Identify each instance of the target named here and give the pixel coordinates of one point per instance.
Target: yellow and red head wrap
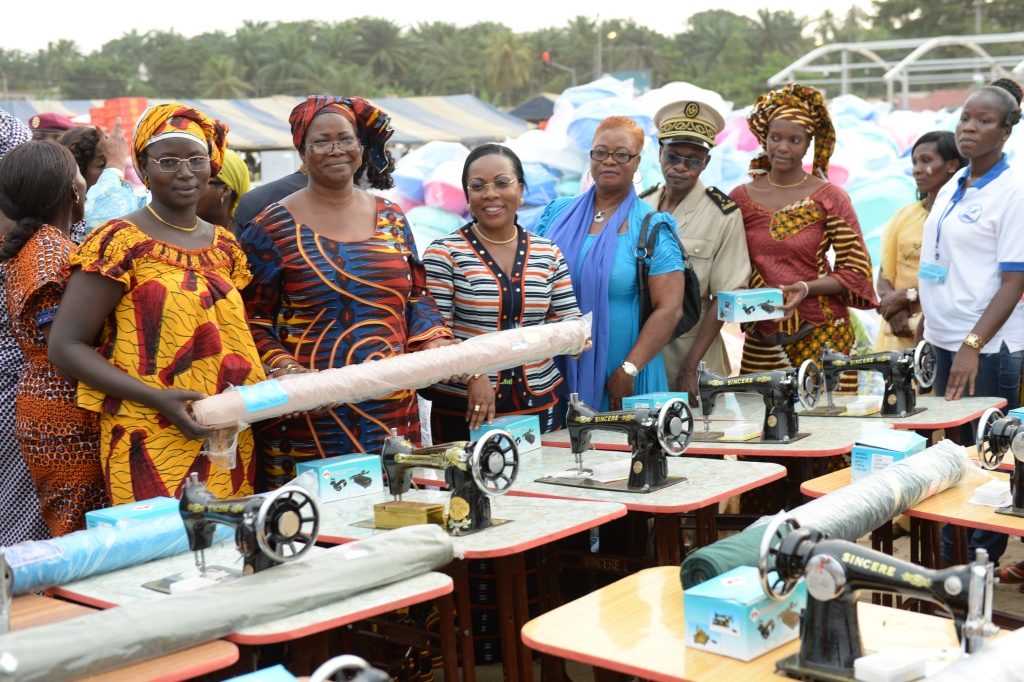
(373, 125)
(164, 121)
(800, 104)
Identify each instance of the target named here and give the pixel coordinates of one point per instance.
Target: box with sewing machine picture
(345, 476)
(750, 305)
(730, 615)
(652, 401)
(524, 429)
(878, 449)
(130, 512)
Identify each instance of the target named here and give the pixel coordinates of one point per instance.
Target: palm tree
(779, 32)
(508, 65)
(381, 48)
(291, 63)
(220, 77)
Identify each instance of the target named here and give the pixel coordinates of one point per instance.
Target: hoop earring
(78, 197)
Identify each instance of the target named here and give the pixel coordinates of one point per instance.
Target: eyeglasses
(688, 161)
(349, 144)
(499, 185)
(621, 156)
(171, 164)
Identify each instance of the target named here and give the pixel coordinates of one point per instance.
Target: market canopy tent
(262, 123)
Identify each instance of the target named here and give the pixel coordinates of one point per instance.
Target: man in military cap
(49, 126)
(711, 229)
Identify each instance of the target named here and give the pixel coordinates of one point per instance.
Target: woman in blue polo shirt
(972, 266)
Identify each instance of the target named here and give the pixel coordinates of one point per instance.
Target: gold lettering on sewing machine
(199, 508)
(615, 417)
(915, 579)
(868, 564)
(740, 381)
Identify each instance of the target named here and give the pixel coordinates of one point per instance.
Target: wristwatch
(912, 295)
(630, 369)
(974, 341)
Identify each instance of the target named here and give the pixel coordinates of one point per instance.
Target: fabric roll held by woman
(598, 232)
(162, 290)
(337, 281)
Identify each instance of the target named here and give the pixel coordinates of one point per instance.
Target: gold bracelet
(285, 369)
(974, 341)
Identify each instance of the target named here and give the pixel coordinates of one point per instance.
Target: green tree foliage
(375, 57)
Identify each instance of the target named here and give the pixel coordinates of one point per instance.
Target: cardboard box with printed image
(345, 476)
(750, 305)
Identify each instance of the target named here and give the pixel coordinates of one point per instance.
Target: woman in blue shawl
(598, 232)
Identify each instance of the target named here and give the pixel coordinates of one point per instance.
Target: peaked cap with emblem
(688, 122)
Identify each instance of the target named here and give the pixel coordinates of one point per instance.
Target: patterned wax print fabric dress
(59, 441)
(332, 304)
(180, 324)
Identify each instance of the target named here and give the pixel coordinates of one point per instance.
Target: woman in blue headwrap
(598, 233)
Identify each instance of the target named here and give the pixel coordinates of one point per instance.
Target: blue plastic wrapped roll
(40, 564)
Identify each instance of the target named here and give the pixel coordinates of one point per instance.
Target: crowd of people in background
(120, 309)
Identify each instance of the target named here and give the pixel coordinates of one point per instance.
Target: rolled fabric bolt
(355, 383)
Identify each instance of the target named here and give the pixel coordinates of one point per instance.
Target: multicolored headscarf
(373, 125)
(235, 174)
(802, 105)
(164, 121)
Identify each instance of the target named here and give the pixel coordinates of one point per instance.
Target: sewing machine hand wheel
(775, 587)
(495, 462)
(808, 384)
(287, 524)
(925, 361)
(675, 426)
(990, 454)
(348, 667)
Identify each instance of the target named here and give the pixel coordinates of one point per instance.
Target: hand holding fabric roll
(355, 383)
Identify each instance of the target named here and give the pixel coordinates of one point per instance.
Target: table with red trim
(32, 610)
(531, 524)
(125, 586)
(636, 628)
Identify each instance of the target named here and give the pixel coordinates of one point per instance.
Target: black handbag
(691, 293)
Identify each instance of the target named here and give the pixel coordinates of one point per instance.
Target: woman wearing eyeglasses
(337, 281)
(493, 275)
(152, 318)
(598, 233)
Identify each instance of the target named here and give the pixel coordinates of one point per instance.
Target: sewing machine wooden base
(400, 513)
(1011, 511)
(718, 437)
(790, 665)
(840, 411)
(621, 485)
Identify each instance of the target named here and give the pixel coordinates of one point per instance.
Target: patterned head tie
(802, 105)
(174, 120)
(373, 125)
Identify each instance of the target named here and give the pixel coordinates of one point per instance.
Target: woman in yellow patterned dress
(158, 290)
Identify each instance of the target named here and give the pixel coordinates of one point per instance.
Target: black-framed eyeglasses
(688, 161)
(171, 164)
(349, 144)
(501, 184)
(620, 156)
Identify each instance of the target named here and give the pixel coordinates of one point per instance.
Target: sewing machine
(903, 371)
(779, 389)
(270, 529)
(472, 470)
(651, 433)
(998, 435)
(6, 594)
(836, 570)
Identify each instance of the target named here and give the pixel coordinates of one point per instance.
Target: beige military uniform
(711, 229)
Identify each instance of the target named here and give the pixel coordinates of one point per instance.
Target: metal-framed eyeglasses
(349, 144)
(688, 161)
(501, 184)
(171, 164)
(619, 156)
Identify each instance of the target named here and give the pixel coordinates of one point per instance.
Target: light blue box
(131, 512)
(524, 429)
(1018, 413)
(652, 401)
(876, 450)
(730, 615)
(345, 476)
(277, 673)
(750, 305)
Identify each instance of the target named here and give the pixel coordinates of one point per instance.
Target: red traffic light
(545, 56)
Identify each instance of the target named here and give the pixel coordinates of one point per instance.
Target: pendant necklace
(599, 217)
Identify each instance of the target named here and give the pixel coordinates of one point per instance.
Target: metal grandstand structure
(906, 63)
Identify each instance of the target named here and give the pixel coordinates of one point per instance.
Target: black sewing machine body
(270, 529)
(902, 370)
(473, 471)
(651, 433)
(998, 435)
(836, 570)
(780, 390)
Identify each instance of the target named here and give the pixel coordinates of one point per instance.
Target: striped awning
(262, 123)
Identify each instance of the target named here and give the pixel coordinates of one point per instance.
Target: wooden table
(708, 482)
(535, 523)
(636, 627)
(29, 611)
(126, 586)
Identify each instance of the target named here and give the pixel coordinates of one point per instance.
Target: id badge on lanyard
(938, 271)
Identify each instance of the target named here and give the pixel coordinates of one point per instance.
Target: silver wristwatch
(629, 368)
(912, 295)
